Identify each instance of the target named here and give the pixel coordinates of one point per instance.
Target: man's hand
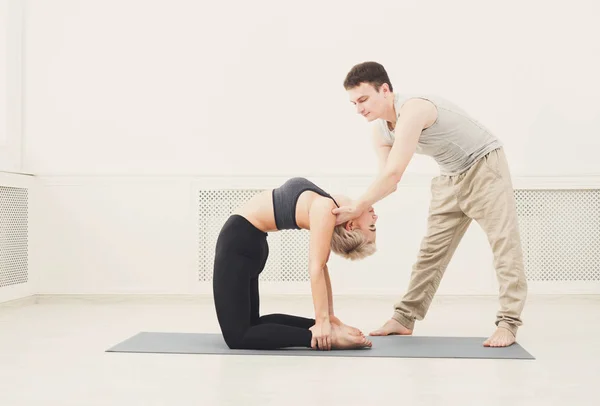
(346, 213)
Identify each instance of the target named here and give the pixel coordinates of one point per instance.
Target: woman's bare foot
(335, 322)
(343, 340)
(501, 338)
(391, 327)
(353, 331)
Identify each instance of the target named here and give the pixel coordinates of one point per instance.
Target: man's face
(369, 102)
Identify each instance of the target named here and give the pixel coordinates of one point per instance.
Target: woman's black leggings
(241, 254)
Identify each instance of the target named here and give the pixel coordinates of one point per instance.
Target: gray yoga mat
(387, 346)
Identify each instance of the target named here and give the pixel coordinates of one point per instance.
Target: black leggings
(241, 254)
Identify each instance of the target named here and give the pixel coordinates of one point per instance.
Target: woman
(241, 254)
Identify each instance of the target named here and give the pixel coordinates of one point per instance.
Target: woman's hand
(321, 335)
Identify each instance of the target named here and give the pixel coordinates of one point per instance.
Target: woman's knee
(248, 340)
(234, 341)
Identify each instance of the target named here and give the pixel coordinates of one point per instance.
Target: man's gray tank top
(455, 141)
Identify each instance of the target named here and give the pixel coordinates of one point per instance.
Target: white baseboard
(19, 302)
(15, 292)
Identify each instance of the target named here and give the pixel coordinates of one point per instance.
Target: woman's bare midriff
(259, 210)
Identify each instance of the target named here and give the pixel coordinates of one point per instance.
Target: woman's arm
(322, 222)
(329, 290)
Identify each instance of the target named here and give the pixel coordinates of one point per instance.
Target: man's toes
(491, 342)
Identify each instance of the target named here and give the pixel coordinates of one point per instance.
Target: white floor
(52, 352)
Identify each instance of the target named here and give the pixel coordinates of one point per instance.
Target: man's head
(356, 238)
(370, 89)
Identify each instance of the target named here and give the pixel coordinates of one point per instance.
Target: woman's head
(356, 239)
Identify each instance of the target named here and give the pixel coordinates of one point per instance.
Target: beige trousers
(483, 193)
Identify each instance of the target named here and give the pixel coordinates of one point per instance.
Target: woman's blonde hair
(352, 245)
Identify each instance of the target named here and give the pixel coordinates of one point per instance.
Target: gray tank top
(285, 198)
(455, 141)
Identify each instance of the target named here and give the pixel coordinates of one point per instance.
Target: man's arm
(382, 151)
(415, 115)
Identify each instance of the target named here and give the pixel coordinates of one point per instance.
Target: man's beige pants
(483, 193)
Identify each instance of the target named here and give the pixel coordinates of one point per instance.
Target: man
(474, 184)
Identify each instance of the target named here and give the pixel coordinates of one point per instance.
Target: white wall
(180, 87)
(132, 235)
(132, 104)
(11, 70)
(3, 70)
(114, 235)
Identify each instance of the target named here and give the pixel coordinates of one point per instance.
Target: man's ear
(349, 225)
(385, 88)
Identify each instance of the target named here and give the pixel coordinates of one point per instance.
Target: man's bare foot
(502, 337)
(342, 340)
(391, 327)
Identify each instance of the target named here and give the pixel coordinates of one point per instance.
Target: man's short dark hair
(372, 73)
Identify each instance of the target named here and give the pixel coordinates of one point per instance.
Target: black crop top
(285, 198)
